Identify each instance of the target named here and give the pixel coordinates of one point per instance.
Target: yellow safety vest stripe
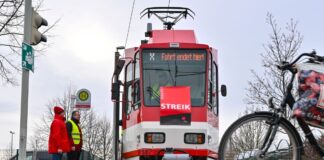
(76, 136)
(156, 90)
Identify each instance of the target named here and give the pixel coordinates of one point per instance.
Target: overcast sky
(81, 52)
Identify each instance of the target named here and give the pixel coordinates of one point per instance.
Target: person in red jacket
(58, 142)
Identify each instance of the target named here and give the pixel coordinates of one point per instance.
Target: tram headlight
(154, 137)
(194, 138)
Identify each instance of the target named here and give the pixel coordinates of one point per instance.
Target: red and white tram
(169, 103)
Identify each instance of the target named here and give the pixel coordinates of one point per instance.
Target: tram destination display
(166, 56)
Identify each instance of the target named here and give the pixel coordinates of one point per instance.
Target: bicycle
(267, 134)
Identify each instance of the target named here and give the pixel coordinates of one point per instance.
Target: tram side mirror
(119, 67)
(223, 90)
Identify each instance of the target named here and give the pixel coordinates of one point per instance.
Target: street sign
(27, 57)
(83, 99)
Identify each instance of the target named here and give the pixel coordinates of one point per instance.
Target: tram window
(137, 98)
(129, 95)
(129, 72)
(215, 91)
(128, 86)
(210, 82)
(174, 67)
(137, 66)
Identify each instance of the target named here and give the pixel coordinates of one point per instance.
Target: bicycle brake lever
(320, 58)
(313, 52)
(317, 58)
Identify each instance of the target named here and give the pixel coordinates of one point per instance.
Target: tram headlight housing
(154, 137)
(194, 138)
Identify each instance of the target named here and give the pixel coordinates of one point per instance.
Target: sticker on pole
(83, 99)
(27, 57)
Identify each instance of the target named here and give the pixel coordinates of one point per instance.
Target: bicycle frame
(289, 100)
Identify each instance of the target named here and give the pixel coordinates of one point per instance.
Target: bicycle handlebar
(287, 66)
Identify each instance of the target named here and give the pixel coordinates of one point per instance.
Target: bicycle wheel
(245, 138)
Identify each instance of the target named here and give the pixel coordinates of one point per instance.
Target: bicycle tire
(241, 140)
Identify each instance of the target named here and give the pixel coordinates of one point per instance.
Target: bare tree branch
(97, 131)
(11, 35)
(11, 15)
(283, 46)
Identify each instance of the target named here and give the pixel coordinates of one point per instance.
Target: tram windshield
(170, 67)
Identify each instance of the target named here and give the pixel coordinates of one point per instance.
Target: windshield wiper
(188, 73)
(173, 80)
(161, 69)
(156, 69)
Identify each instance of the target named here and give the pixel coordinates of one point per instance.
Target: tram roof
(169, 36)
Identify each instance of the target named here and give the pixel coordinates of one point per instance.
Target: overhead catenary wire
(129, 23)
(168, 10)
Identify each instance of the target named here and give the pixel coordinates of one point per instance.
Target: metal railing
(44, 155)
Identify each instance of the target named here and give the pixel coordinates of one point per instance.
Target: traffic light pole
(25, 84)
(116, 116)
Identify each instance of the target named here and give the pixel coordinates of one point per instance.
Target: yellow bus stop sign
(83, 95)
(83, 99)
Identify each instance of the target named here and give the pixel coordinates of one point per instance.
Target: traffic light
(36, 36)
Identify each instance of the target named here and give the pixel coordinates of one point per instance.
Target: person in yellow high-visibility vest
(75, 136)
(163, 80)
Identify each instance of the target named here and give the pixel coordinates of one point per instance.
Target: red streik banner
(175, 105)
